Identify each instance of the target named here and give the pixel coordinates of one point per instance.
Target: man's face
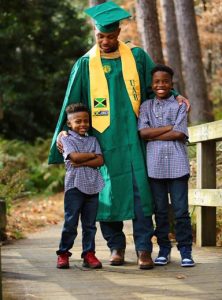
(108, 42)
(162, 84)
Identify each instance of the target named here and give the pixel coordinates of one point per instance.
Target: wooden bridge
(29, 265)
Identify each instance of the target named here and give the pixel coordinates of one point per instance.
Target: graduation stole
(99, 92)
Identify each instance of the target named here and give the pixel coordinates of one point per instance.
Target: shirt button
(165, 156)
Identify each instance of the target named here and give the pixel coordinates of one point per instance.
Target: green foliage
(39, 42)
(11, 184)
(24, 170)
(217, 101)
(191, 151)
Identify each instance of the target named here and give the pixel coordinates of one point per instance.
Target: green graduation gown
(123, 150)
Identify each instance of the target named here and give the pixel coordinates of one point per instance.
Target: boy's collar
(170, 98)
(75, 134)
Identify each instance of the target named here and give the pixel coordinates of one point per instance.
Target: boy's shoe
(63, 261)
(186, 257)
(163, 257)
(91, 261)
(187, 262)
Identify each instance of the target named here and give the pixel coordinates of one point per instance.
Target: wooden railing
(206, 197)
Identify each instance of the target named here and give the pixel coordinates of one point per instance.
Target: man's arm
(72, 95)
(59, 144)
(181, 100)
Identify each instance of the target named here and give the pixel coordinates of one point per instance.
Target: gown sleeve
(73, 95)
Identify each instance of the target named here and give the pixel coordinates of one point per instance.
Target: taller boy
(163, 124)
(112, 79)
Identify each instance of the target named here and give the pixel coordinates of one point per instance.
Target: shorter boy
(83, 182)
(163, 124)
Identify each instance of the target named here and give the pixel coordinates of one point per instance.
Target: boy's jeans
(178, 190)
(79, 205)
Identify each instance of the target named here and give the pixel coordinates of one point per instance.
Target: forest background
(39, 43)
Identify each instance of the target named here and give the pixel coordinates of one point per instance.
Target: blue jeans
(78, 204)
(178, 190)
(142, 228)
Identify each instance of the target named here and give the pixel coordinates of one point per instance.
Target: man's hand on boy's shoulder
(182, 100)
(58, 140)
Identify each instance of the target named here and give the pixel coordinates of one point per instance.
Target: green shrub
(11, 184)
(24, 169)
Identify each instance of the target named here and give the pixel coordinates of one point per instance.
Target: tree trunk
(172, 44)
(193, 67)
(148, 25)
(95, 2)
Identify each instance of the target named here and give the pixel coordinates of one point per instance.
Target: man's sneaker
(63, 260)
(91, 261)
(163, 257)
(186, 257)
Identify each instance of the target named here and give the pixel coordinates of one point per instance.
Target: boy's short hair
(77, 107)
(162, 68)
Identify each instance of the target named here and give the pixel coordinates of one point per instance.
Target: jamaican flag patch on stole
(100, 102)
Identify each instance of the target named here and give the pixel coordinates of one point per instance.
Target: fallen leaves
(181, 276)
(30, 215)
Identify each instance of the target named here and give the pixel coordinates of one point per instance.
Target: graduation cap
(107, 16)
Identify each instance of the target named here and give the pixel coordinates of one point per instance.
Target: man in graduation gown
(112, 79)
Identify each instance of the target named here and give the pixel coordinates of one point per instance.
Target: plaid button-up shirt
(88, 180)
(165, 159)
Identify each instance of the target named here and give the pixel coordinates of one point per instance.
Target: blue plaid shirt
(88, 180)
(165, 159)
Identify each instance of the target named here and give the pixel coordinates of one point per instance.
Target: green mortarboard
(107, 16)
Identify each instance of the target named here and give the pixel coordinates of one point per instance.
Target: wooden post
(2, 237)
(206, 178)
(1, 296)
(2, 219)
